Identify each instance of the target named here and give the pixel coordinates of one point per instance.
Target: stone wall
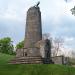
(60, 60)
(28, 52)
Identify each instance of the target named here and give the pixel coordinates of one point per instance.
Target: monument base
(27, 56)
(27, 60)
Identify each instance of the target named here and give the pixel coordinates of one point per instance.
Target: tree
(6, 45)
(73, 11)
(20, 45)
(57, 43)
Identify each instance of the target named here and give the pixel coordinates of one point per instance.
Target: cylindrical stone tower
(33, 32)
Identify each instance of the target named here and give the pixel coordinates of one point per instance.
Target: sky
(56, 19)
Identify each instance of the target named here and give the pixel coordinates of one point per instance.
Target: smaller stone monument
(47, 47)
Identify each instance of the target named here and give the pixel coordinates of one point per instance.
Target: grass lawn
(32, 69)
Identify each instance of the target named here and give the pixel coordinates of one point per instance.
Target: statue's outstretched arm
(37, 4)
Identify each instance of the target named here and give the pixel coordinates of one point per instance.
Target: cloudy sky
(56, 19)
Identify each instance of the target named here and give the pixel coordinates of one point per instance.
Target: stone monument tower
(33, 36)
(33, 32)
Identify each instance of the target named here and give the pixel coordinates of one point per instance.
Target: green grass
(32, 69)
(4, 58)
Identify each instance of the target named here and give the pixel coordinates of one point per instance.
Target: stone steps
(27, 60)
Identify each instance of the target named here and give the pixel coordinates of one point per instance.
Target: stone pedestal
(28, 52)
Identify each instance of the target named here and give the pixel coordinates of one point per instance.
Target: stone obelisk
(33, 32)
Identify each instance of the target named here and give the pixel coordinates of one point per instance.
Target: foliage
(20, 45)
(73, 11)
(5, 58)
(6, 45)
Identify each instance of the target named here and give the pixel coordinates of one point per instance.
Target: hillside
(32, 69)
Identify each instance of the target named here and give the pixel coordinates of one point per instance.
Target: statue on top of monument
(37, 4)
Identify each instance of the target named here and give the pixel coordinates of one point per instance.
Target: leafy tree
(73, 11)
(20, 45)
(6, 45)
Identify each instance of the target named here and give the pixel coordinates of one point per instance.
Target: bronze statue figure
(37, 4)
